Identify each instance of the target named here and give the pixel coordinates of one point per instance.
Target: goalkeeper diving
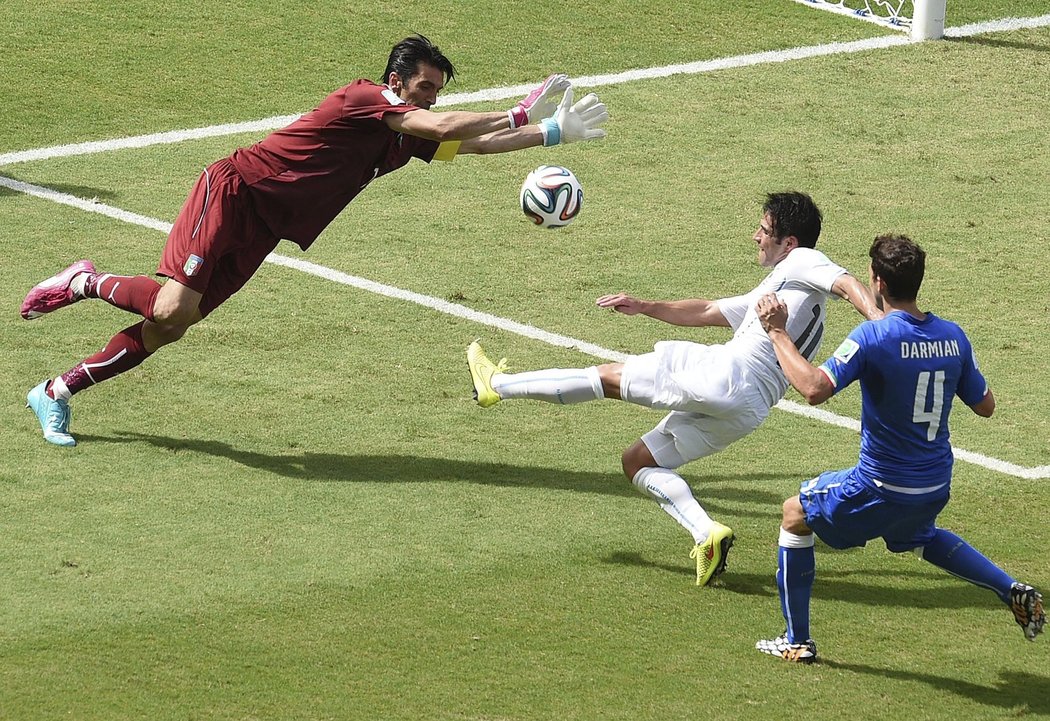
(290, 185)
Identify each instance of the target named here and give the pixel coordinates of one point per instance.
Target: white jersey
(802, 281)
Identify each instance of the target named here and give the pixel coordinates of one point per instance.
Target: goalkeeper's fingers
(556, 83)
(592, 112)
(587, 101)
(566, 102)
(593, 121)
(595, 115)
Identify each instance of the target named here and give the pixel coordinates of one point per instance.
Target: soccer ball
(551, 196)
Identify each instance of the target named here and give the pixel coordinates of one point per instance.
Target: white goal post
(928, 20)
(922, 19)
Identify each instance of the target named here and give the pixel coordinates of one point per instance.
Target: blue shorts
(846, 513)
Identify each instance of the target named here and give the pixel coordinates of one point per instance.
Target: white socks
(553, 385)
(59, 391)
(672, 493)
(77, 285)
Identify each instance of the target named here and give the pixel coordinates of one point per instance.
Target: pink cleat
(54, 293)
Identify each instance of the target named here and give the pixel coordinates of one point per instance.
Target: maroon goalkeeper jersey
(302, 176)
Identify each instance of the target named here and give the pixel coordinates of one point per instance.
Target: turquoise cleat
(53, 416)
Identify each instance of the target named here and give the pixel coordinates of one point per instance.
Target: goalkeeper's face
(421, 88)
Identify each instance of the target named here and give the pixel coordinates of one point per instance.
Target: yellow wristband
(447, 150)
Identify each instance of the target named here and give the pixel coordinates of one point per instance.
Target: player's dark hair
(410, 52)
(901, 264)
(796, 214)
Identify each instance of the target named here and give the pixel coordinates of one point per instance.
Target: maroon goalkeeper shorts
(218, 241)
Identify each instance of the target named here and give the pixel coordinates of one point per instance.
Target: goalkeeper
(291, 185)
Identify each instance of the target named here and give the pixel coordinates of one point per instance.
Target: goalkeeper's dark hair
(796, 214)
(900, 263)
(410, 52)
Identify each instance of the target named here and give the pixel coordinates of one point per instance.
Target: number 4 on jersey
(932, 416)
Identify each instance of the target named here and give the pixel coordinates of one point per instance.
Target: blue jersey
(909, 372)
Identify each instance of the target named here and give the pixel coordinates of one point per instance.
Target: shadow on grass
(1024, 693)
(838, 586)
(80, 191)
(999, 43)
(351, 468)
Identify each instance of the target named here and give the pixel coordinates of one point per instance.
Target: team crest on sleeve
(193, 265)
(846, 351)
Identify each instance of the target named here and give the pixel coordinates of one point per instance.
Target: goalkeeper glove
(538, 104)
(575, 122)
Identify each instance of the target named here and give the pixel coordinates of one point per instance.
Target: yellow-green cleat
(711, 554)
(481, 372)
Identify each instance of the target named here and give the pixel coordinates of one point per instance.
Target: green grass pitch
(298, 513)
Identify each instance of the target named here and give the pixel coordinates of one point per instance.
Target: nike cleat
(481, 372)
(53, 416)
(805, 652)
(54, 293)
(1027, 605)
(711, 554)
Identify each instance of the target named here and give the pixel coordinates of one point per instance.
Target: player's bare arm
(422, 86)
(859, 295)
(450, 125)
(503, 141)
(498, 132)
(986, 407)
(691, 312)
(814, 386)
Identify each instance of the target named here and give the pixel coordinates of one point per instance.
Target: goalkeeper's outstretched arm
(570, 123)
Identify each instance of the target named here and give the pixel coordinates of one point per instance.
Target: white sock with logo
(672, 493)
(553, 385)
(59, 390)
(77, 284)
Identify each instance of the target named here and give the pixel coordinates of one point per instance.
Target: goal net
(922, 19)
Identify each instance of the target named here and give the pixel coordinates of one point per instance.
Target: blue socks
(796, 569)
(959, 558)
(795, 572)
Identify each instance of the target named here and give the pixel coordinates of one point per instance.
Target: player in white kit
(716, 394)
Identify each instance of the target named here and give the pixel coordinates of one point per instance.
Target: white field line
(177, 136)
(502, 93)
(470, 314)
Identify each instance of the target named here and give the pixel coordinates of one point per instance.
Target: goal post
(927, 22)
(921, 19)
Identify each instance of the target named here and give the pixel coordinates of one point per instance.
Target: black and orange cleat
(1027, 605)
(805, 652)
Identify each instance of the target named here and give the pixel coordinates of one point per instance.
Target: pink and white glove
(540, 103)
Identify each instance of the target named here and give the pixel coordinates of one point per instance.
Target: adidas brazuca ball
(551, 196)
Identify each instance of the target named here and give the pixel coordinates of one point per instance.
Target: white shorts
(711, 401)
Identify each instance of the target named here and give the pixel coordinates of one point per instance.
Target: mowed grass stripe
(461, 311)
(502, 93)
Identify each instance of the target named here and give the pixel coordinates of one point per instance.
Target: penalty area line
(461, 311)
